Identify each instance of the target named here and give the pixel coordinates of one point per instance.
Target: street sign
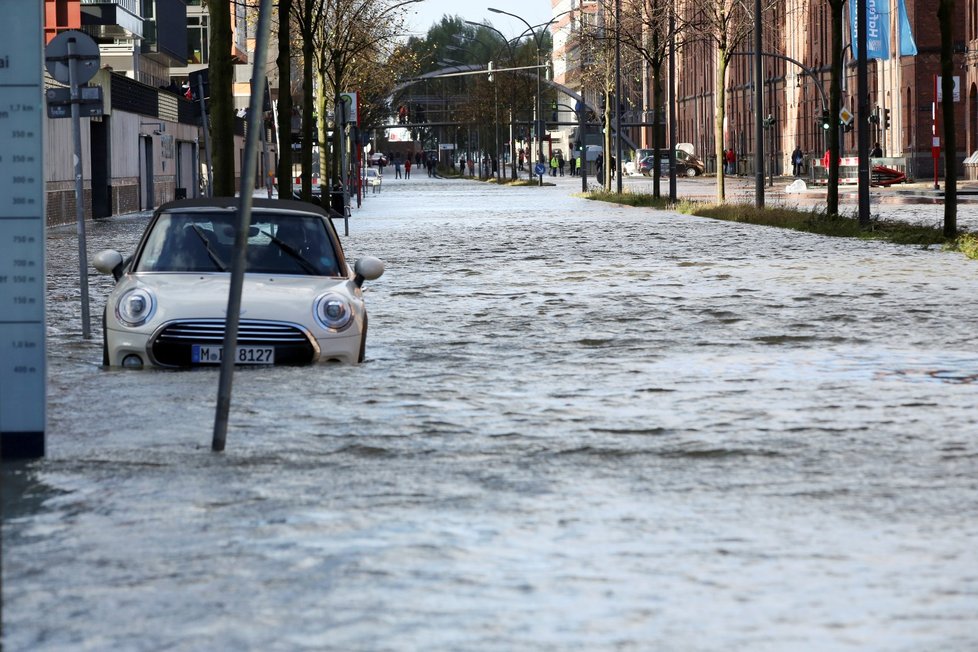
(89, 104)
(540, 169)
(845, 115)
(22, 217)
(85, 50)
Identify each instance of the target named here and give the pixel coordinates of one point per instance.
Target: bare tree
(352, 33)
(220, 71)
(726, 24)
(284, 126)
(835, 103)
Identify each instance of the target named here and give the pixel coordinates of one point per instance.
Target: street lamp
(512, 59)
(538, 122)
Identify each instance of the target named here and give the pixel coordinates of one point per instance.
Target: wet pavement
(579, 427)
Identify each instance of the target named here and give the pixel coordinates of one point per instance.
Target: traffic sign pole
(79, 189)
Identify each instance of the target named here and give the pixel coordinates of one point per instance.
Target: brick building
(901, 88)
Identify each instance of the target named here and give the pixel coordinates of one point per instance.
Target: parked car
(686, 164)
(377, 159)
(372, 178)
(301, 302)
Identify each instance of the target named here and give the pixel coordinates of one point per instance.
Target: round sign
(540, 169)
(69, 44)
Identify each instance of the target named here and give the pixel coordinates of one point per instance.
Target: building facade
(796, 36)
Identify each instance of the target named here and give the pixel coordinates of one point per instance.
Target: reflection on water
(576, 426)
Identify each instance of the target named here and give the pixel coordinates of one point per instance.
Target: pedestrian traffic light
(886, 118)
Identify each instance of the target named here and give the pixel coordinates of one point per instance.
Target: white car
(373, 179)
(300, 303)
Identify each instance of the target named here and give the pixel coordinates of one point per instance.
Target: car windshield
(278, 243)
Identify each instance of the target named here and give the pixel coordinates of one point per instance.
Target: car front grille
(171, 346)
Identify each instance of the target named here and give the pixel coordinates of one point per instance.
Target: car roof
(233, 203)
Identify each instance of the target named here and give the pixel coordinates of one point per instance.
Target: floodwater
(579, 427)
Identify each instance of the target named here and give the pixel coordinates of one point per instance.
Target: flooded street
(579, 427)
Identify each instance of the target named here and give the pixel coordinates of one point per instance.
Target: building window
(197, 39)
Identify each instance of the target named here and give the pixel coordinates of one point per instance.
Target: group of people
(416, 159)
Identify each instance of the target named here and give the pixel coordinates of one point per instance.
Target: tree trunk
(656, 112)
(945, 14)
(221, 74)
(721, 101)
(322, 134)
(308, 122)
(284, 126)
(835, 99)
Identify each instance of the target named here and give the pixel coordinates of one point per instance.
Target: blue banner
(877, 28)
(907, 45)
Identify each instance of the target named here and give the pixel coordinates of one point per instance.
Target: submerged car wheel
(363, 340)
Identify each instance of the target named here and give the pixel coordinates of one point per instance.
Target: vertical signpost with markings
(22, 346)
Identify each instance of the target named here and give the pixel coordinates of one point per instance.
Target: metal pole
(79, 190)
(244, 222)
(582, 170)
(758, 111)
(539, 109)
(862, 114)
(672, 106)
(616, 169)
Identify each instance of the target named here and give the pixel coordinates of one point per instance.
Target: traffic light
(553, 111)
(826, 120)
(768, 122)
(886, 118)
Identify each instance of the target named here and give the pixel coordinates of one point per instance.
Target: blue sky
(422, 15)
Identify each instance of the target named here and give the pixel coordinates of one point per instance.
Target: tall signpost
(22, 215)
(72, 58)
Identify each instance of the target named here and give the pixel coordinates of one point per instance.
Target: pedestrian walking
(877, 151)
(796, 161)
(397, 166)
(731, 162)
(407, 168)
(553, 165)
(561, 162)
(599, 165)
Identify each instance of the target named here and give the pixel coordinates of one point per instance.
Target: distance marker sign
(22, 344)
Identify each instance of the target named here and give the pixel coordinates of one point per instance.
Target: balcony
(112, 19)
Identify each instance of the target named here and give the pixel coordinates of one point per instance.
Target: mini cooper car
(300, 303)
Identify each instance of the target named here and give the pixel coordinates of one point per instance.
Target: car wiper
(291, 251)
(210, 251)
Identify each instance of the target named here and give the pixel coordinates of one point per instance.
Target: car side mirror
(109, 261)
(367, 268)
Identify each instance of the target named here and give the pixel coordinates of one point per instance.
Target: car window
(204, 242)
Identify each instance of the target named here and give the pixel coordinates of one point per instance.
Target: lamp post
(538, 109)
(512, 58)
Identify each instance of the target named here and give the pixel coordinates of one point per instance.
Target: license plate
(205, 354)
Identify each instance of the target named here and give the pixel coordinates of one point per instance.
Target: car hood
(200, 296)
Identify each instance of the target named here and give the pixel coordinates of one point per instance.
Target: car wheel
(363, 340)
(105, 343)
(691, 172)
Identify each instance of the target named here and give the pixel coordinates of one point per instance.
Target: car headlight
(333, 312)
(135, 307)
